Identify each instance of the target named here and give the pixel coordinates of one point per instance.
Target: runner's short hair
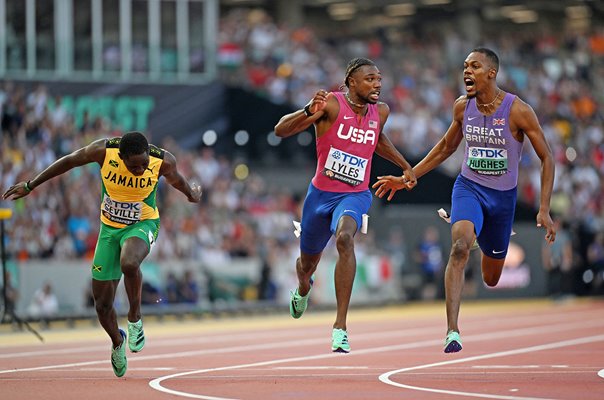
(133, 143)
(491, 56)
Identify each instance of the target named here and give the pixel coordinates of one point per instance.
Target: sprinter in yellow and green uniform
(130, 171)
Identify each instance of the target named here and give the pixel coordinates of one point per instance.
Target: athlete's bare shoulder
(168, 164)
(523, 117)
(383, 108)
(381, 105)
(99, 144)
(95, 151)
(459, 107)
(332, 105)
(330, 114)
(383, 111)
(520, 106)
(461, 100)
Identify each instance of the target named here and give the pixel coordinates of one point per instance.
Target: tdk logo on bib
(345, 167)
(488, 153)
(349, 159)
(488, 161)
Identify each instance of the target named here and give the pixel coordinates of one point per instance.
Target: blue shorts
(322, 212)
(491, 211)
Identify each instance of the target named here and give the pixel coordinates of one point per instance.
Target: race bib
(126, 213)
(345, 167)
(488, 161)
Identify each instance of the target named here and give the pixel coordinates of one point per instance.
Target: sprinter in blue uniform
(494, 124)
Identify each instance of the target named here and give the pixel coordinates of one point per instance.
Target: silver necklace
(491, 103)
(352, 102)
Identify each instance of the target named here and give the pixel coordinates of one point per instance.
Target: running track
(512, 350)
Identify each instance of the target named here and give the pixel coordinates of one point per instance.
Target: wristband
(307, 110)
(27, 187)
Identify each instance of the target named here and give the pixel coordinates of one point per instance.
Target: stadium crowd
(561, 74)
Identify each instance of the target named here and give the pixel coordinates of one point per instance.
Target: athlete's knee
(307, 265)
(129, 265)
(491, 276)
(460, 250)
(103, 307)
(345, 242)
(490, 281)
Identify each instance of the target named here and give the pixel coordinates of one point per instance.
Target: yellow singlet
(127, 198)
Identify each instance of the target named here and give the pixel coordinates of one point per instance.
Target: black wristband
(27, 187)
(307, 110)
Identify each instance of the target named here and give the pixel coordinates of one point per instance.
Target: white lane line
(73, 350)
(265, 346)
(171, 356)
(565, 343)
(315, 367)
(238, 337)
(507, 366)
(232, 338)
(246, 377)
(157, 383)
(436, 343)
(231, 349)
(130, 369)
(491, 373)
(156, 344)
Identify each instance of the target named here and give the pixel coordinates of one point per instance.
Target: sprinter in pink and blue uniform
(494, 124)
(348, 127)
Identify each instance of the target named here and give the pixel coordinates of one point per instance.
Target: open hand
(16, 191)
(390, 185)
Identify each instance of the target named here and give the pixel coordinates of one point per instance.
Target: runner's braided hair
(353, 65)
(133, 143)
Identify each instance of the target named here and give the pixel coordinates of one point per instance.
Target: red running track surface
(512, 350)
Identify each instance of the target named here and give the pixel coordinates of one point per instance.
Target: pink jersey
(344, 152)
